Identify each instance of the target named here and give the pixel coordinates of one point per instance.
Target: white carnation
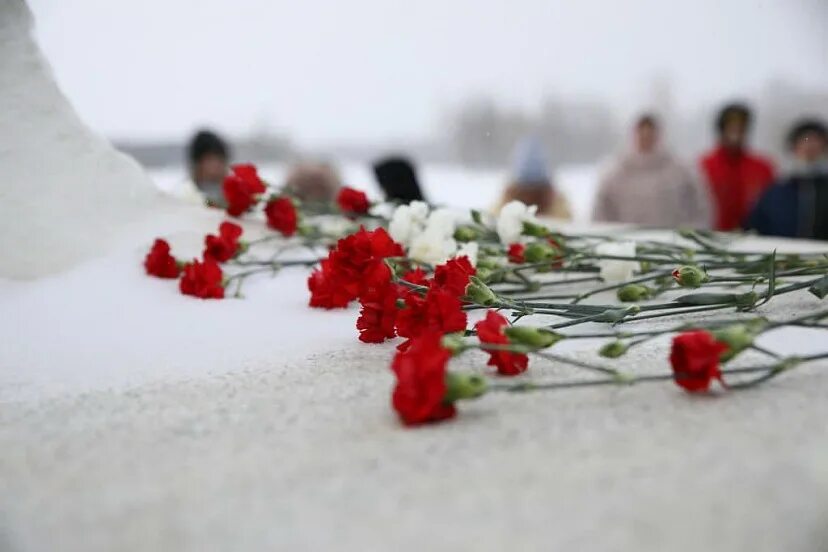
(432, 248)
(442, 222)
(511, 218)
(408, 221)
(470, 250)
(616, 271)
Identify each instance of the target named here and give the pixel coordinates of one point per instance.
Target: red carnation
(281, 215)
(454, 275)
(241, 189)
(515, 253)
(378, 315)
(417, 276)
(202, 279)
(225, 246)
(490, 331)
(444, 311)
(352, 201)
(357, 259)
(326, 293)
(695, 360)
(439, 310)
(159, 262)
(412, 320)
(420, 392)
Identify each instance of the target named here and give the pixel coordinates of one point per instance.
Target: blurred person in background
(735, 175)
(398, 179)
(531, 184)
(313, 182)
(208, 157)
(796, 206)
(648, 186)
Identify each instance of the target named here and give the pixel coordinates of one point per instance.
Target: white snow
(65, 194)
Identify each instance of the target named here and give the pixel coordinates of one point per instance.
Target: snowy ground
(444, 184)
(135, 419)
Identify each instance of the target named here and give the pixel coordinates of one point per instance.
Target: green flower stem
(553, 357)
(814, 316)
(676, 313)
(275, 264)
(770, 371)
(611, 287)
(240, 277)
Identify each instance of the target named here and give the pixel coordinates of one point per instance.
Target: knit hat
(529, 163)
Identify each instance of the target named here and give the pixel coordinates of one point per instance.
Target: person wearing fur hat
(313, 181)
(735, 175)
(531, 183)
(648, 186)
(797, 205)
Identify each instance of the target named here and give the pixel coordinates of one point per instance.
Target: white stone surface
(132, 418)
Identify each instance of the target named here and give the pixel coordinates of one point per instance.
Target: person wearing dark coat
(398, 180)
(797, 206)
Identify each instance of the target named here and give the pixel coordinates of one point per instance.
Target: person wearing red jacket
(736, 176)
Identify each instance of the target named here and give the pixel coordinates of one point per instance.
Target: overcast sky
(370, 70)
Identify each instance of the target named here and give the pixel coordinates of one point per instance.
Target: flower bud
(534, 229)
(737, 337)
(465, 234)
(690, 276)
(538, 251)
(464, 386)
(479, 292)
(617, 315)
(455, 343)
(487, 262)
(534, 337)
(632, 293)
(747, 300)
(485, 274)
(613, 349)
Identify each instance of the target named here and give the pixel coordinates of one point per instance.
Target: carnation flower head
(694, 358)
(408, 221)
(159, 262)
(490, 332)
(420, 390)
(225, 245)
(242, 188)
(202, 279)
(352, 202)
(282, 216)
(615, 271)
(511, 218)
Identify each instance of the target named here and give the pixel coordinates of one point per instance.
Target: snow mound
(65, 193)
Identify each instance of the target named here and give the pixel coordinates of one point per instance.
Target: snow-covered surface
(133, 418)
(54, 171)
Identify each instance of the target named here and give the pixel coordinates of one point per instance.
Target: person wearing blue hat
(531, 183)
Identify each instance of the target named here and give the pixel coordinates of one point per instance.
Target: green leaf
(820, 287)
(771, 278)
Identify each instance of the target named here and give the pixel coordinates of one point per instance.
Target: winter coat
(795, 207)
(736, 179)
(651, 189)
